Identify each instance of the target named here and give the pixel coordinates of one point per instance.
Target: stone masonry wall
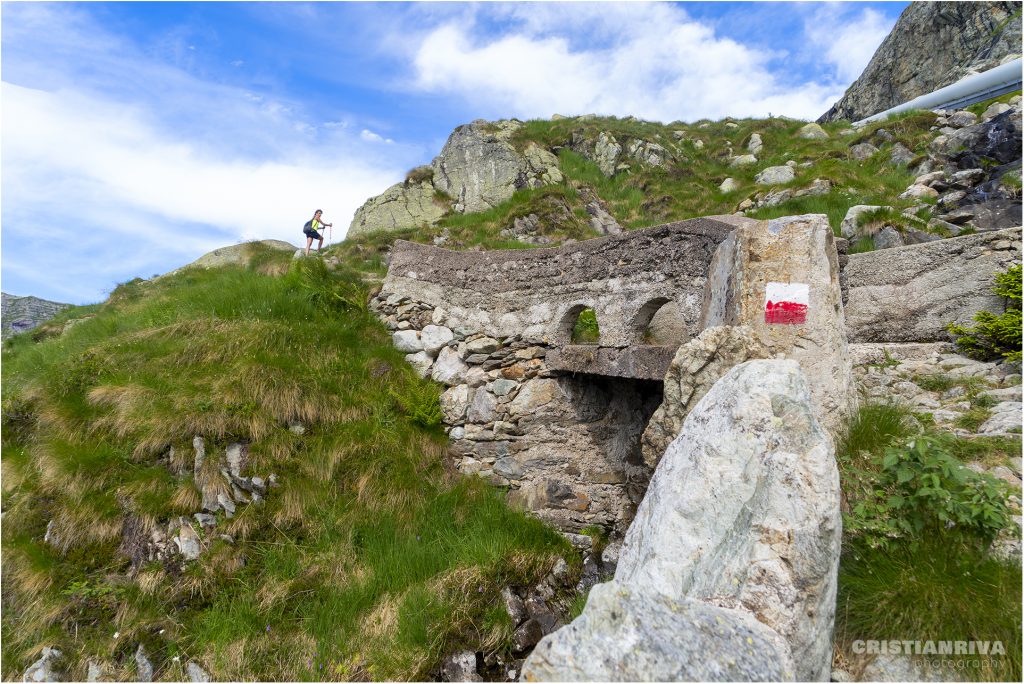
(537, 294)
(485, 323)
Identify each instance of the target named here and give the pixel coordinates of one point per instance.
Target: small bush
(923, 490)
(419, 175)
(995, 335)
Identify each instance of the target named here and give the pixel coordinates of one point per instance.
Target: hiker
(310, 229)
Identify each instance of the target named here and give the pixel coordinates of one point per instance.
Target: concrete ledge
(638, 363)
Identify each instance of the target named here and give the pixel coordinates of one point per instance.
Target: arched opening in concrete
(660, 322)
(579, 326)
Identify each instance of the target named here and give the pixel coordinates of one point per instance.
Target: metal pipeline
(1002, 79)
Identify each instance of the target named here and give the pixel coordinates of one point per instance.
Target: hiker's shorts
(313, 234)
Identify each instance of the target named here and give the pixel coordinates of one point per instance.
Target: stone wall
(567, 447)
(537, 294)
(910, 294)
(494, 327)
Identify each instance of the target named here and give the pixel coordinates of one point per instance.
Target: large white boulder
(781, 278)
(743, 511)
(630, 635)
(739, 532)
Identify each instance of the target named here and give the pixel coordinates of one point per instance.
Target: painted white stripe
(798, 293)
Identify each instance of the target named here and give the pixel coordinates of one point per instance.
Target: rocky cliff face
(25, 313)
(932, 45)
(478, 168)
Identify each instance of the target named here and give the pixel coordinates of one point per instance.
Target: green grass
(932, 591)
(369, 560)
(586, 330)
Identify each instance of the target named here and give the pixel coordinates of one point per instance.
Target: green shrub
(921, 490)
(995, 335)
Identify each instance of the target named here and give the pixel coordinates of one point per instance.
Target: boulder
(910, 294)
(994, 110)
(403, 205)
(44, 669)
(848, 228)
(480, 168)
(887, 238)
(775, 175)
(696, 367)
(862, 151)
(196, 673)
(420, 362)
(143, 667)
(454, 402)
(743, 160)
(743, 511)
(812, 131)
(728, 185)
(626, 634)
(755, 144)
(460, 667)
(781, 278)
(901, 155)
(407, 341)
(1005, 418)
(434, 337)
(962, 118)
(482, 409)
(918, 191)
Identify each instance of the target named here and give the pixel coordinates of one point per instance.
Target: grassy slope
(370, 560)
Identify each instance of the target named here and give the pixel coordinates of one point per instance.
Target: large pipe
(1002, 79)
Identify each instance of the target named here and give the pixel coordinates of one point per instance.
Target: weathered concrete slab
(910, 294)
(639, 362)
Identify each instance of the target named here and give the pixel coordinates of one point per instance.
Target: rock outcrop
(743, 514)
(974, 37)
(781, 278)
(21, 314)
(910, 294)
(479, 167)
(697, 366)
(403, 205)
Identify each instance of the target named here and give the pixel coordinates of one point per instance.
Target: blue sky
(138, 136)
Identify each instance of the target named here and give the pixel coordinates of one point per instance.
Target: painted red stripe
(789, 313)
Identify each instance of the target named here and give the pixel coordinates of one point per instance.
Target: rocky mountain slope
(21, 314)
(924, 175)
(932, 45)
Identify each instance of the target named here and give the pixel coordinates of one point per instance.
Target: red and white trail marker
(786, 303)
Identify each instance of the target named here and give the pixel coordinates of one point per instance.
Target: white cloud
(57, 137)
(106, 177)
(847, 41)
(652, 61)
(370, 136)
